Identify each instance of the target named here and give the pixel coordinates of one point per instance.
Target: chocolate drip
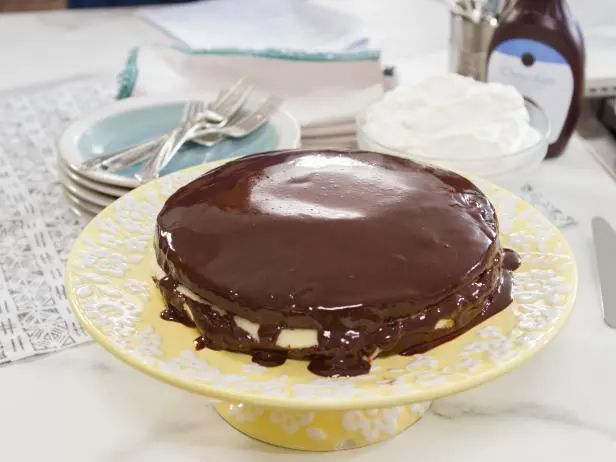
(511, 260)
(379, 255)
(171, 314)
(201, 343)
(268, 334)
(269, 358)
(497, 302)
(174, 310)
(344, 365)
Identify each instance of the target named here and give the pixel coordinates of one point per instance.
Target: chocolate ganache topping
(335, 257)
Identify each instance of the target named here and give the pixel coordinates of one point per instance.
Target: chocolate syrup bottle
(538, 48)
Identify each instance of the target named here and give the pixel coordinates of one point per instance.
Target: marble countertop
(83, 405)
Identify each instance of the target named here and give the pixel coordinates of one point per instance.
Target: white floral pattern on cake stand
(110, 289)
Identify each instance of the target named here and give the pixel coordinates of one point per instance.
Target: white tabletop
(83, 405)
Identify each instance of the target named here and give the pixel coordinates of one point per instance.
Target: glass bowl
(511, 170)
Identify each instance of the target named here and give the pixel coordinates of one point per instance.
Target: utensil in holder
(468, 44)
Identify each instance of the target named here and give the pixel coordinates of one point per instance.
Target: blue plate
(128, 122)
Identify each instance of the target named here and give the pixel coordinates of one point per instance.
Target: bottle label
(539, 72)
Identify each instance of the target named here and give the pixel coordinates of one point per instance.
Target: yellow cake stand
(109, 286)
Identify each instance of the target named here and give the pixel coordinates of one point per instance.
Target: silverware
(146, 150)
(217, 115)
(469, 39)
(474, 11)
(244, 125)
(128, 156)
(605, 249)
(117, 160)
(132, 155)
(211, 135)
(155, 162)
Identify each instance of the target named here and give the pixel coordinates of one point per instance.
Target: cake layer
(305, 230)
(364, 252)
(342, 352)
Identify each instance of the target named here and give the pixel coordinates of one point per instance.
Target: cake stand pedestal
(320, 430)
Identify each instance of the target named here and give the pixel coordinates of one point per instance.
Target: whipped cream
(452, 117)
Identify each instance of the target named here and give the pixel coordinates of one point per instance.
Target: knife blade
(605, 248)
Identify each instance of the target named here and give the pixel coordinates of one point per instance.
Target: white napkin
(323, 91)
(259, 24)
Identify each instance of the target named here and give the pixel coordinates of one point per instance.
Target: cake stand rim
(378, 401)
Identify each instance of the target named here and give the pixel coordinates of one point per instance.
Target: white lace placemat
(36, 225)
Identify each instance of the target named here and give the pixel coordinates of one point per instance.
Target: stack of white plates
(85, 195)
(128, 122)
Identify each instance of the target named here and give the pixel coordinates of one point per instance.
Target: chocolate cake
(335, 257)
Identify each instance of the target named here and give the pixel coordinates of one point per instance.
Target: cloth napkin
(259, 24)
(324, 91)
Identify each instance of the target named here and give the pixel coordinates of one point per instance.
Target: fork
(216, 116)
(212, 135)
(233, 97)
(244, 126)
(133, 154)
(146, 150)
(154, 164)
(228, 102)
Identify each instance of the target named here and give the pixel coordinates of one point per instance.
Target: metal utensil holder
(468, 45)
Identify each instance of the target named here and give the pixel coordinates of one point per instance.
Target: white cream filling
(444, 323)
(158, 271)
(297, 338)
(190, 294)
(188, 312)
(287, 338)
(251, 327)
